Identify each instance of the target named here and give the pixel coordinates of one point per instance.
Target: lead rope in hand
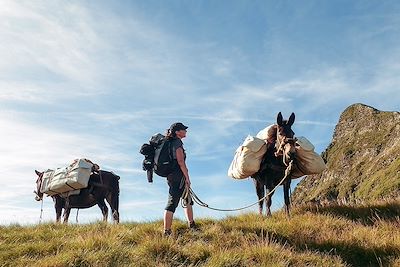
(188, 193)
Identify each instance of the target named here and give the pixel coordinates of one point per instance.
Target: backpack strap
(173, 160)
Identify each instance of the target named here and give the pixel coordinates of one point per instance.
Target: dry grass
(328, 236)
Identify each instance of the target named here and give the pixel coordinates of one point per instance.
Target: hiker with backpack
(165, 156)
(178, 179)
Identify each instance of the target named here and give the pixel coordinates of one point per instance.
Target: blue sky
(96, 79)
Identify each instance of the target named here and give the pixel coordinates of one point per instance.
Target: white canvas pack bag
(75, 176)
(308, 161)
(247, 158)
(46, 179)
(266, 134)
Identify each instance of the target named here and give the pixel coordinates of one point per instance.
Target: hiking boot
(193, 226)
(167, 232)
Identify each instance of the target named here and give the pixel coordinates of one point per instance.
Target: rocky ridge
(363, 159)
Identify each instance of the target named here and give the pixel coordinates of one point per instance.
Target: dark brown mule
(280, 151)
(101, 188)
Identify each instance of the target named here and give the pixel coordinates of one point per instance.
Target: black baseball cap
(177, 126)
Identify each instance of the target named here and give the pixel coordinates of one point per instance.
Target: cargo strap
(188, 193)
(70, 186)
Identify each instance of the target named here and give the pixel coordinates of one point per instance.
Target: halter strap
(281, 144)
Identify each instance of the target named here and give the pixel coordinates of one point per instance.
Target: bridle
(39, 185)
(280, 145)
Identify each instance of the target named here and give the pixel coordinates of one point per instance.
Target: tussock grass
(366, 235)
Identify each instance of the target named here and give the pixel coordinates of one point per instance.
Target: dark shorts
(176, 182)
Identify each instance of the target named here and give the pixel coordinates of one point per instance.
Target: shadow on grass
(366, 215)
(352, 254)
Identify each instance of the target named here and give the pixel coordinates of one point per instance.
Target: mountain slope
(363, 159)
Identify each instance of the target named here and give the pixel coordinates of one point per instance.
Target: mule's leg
(113, 201)
(260, 194)
(268, 201)
(286, 188)
(104, 210)
(115, 215)
(58, 214)
(67, 210)
(58, 207)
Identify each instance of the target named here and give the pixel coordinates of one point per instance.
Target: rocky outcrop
(363, 159)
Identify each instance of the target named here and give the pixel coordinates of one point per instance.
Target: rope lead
(189, 193)
(41, 212)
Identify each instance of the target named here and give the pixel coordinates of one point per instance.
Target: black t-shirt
(177, 174)
(175, 144)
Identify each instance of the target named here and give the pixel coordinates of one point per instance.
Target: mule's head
(39, 180)
(285, 141)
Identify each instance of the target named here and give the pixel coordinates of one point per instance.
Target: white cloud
(26, 147)
(64, 50)
(13, 91)
(39, 37)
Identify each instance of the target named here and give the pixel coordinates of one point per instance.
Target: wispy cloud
(54, 53)
(40, 39)
(26, 147)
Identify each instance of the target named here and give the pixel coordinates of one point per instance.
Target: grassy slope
(324, 236)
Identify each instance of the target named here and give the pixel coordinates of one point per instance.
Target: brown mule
(280, 151)
(100, 189)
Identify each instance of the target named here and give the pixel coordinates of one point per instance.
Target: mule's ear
(37, 172)
(291, 119)
(279, 119)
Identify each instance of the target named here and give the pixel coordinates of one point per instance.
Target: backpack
(158, 156)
